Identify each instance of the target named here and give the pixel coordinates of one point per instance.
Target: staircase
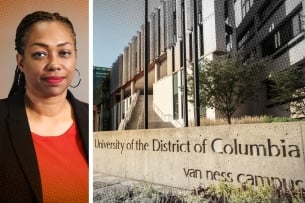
(136, 114)
(137, 117)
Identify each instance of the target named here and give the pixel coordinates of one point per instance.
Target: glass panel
(296, 24)
(175, 96)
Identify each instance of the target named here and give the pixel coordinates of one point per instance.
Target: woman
(43, 128)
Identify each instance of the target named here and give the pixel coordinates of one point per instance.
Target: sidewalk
(112, 189)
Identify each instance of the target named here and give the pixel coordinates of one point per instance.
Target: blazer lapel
(23, 144)
(81, 116)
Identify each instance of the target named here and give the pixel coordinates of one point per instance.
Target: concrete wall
(163, 98)
(189, 157)
(213, 26)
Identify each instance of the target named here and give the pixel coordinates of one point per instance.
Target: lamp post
(185, 114)
(146, 63)
(195, 60)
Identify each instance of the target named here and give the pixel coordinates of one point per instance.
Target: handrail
(167, 117)
(164, 117)
(125, 121)
(140, 117)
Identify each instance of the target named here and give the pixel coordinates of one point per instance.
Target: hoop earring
(79, 80)
(20, 80)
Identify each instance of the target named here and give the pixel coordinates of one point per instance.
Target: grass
(247, 120)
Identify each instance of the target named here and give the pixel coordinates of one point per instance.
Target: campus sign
(256, 154)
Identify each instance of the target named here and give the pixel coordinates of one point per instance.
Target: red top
(62, 166)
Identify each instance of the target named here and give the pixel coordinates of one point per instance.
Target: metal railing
(167, 117)
(126, 119)
(164, 117)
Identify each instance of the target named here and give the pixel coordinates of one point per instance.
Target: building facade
(101, 99)
(273, 29)
(266, 28)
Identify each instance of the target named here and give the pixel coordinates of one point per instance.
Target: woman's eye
(65, 53)
(39, 54)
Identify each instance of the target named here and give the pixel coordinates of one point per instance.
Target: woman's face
(49, 59)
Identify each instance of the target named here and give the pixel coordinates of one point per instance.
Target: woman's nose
(53, 63)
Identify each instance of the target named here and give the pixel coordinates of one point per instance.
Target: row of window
(283, 34)
(249, 32)
(279, 36)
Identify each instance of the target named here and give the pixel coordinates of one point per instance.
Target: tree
(288, 87)
(229, 81)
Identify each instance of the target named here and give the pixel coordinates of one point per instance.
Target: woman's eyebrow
(64, 43)
(46, 45)
(39, 44)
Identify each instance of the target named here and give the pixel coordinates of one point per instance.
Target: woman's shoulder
(3, 107)
(81, 104)
(76, 103)
(13, 100)
(3, 103)
(3, 100)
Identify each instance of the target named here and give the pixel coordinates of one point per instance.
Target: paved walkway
(114, 189)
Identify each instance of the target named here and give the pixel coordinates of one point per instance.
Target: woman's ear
(19, 59)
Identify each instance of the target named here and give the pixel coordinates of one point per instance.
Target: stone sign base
(257, 154)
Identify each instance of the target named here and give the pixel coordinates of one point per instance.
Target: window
(200, 38)
(265, 10)
(229, 42)
(190, 47)
(174, 21)
(268, 47)
(245, 7)
(175, 96)
(229, 37)
(173, 58)
(175, 25)
(226, 12)
(296, 24)
(248, 33)
(181, 53)
(200, 28)
(159, 33)
(271, 27)
(277, 39)
(282, 35)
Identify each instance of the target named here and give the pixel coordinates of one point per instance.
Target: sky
(115, 22)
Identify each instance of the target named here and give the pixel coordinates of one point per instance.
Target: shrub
(228, 193)
(221, 192)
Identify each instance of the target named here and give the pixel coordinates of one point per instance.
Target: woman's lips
(54, 80)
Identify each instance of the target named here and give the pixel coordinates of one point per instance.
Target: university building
(274, 29)
(101, 98)
(266, 28)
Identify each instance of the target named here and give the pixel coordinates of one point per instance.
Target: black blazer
(19, 173)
